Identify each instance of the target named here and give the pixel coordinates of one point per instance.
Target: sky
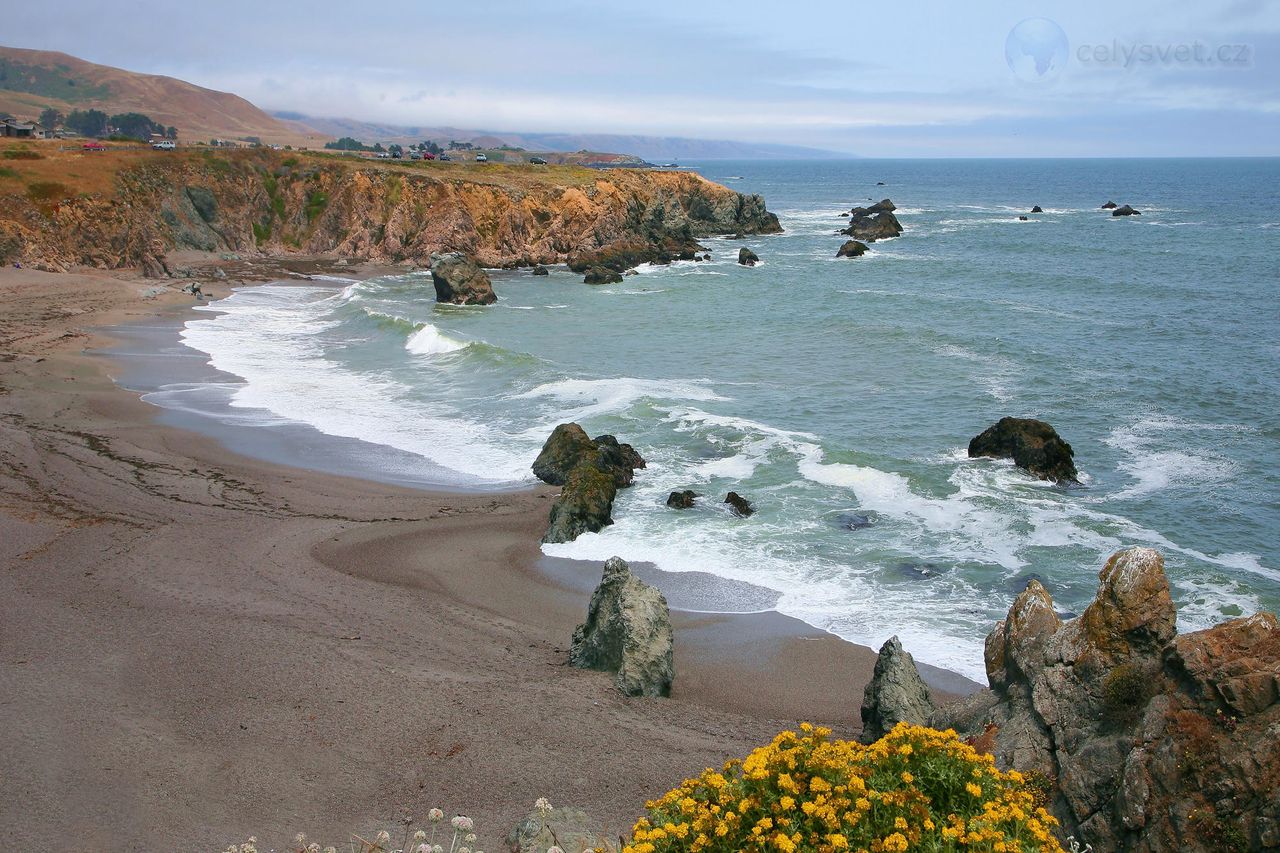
(904, 79)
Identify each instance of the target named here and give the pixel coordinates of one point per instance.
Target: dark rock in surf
(895, 694)
(747, 258)
(585, 504)
(540, 270)
(1126, 211)
(1033, 446)
(458, 281)
(602, 275)
(872, 223)
(1037, 209)
(682, 500)
(852, 249)
(1024, 218)
(853, 521)
(590, 472)
(1111, 205)
(740, 506)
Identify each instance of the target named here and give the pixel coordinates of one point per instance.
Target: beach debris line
(627, 632)
(895, 694)
(1033, 445)
(459, 281)
(1138, 729)
(590, 472)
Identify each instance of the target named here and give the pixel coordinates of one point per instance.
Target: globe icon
(1036, 50)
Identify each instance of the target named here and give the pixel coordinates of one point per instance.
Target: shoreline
(269, 650)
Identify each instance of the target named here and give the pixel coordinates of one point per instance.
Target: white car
(164, 145)
(482, 158)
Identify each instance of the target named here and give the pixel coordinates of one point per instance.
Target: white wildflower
(462, 823)
(419, 836)
(469, 838)
(435, 815)
(543, 806)
(423, 848)
(383, 837)
(554, 850)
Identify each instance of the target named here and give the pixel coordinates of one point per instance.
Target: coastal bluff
(126, 208)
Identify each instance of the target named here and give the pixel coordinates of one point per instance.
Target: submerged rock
(459, 281)
(895, 694)
(539, 269)
(854, 520)
(1139, 728)
(602, 275)
(1024, 218)
(747, 258)
(682, 500)
(628, 632)
(852, 249)
(1032, 445)
(1126, 211)
(741, 506)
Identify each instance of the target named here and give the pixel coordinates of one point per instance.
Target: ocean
(839, 395)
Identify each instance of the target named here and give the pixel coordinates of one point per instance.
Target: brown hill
(31, 80)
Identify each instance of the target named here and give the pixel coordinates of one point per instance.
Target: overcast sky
(1140, 77)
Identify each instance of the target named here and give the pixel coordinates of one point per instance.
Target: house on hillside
(13, 128)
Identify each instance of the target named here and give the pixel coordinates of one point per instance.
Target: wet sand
(197, 646)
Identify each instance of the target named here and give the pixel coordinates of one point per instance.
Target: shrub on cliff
(915, 789)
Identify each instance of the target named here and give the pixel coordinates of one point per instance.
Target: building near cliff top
(13, 128)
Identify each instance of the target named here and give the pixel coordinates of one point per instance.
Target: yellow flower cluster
(915, 789)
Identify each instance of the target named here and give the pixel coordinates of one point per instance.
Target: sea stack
(1033, 445)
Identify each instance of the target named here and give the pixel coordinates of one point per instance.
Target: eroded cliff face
(277, 202)
(1148, 740)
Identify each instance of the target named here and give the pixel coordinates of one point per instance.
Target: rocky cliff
(1146, 740)
(281, 202)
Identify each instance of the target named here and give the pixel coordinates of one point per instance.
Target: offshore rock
(852, 249)
(1111, 205)
(740, 506)
(876, 222)
(1152, 741)
(602, 275)
(1037, 209)
(539, 269)
(1033, 446)
(895, 694)
(1126, 211)
(682, 500)
(459, 281)
(628, 632)
(747, 258)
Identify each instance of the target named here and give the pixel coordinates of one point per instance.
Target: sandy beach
(197, 647)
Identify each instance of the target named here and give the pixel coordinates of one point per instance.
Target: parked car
(482, 158)
(414, 155)
(164, 145)
(93, 146)
(429, 156)
(445, 158)
(537, 161)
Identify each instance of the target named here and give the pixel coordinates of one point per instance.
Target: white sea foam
(429, 340)
(579, 399)
(1159, 458)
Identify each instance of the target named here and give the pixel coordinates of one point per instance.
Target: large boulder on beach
(590, 472)
(1126, 210)
(876, 222)
(1033, 446)
(459, 281)
(627, 632)
(747, 258)
(895, 694)
(852, 249)
(568, 447)
(584, 505)
(1151, 740)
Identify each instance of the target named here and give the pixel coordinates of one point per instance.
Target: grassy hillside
(31, 80)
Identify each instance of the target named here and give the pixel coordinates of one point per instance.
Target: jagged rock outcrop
(602, 275)
(459, 281)
(1152, 741)
(747, 258)
(1037, 209)
(590, 472)
(539, 269)
(1033, 446)
(895, 694)
(1126, 210)
(1111, 205)
(852, 249)
(876, 222)
(290, 202)
(740, 506)
(568, 827)
(682, 500)
(628, 632)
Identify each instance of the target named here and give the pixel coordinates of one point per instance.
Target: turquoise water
(820, 387)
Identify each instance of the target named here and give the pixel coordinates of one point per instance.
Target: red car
(93, 146)
(428, 156)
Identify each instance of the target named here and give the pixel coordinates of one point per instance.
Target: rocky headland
(137, 209)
